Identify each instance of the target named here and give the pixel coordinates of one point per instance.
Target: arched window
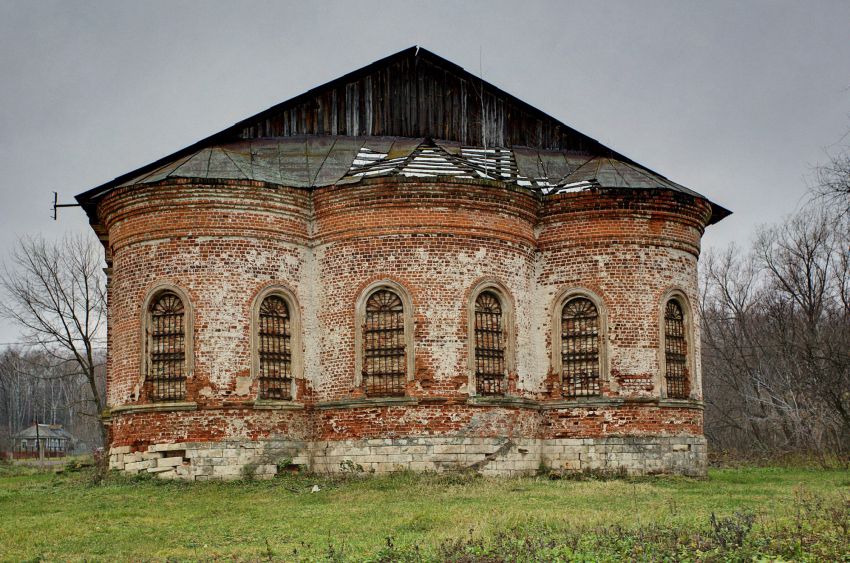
(489, 345)
(166, 348)
(384, 344)
(675, 351)
(274, 349)
(580, 348)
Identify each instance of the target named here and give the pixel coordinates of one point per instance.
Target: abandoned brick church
(403, 268)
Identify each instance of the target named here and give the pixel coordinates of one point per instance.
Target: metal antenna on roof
(57, 205)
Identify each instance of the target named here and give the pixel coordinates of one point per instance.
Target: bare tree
(56, 292)
(776, 328)
(807, 261)
(833, 182)
(776, 338)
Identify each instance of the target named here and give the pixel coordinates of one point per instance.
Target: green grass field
(789, 513)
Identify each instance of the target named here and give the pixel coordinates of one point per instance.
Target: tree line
(35, 388)
(776, 330)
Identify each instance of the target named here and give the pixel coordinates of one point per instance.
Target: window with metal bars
(580, 348)
(675, 351)
(384, 348)
(274, 342)
(166, 365)
(489, 345)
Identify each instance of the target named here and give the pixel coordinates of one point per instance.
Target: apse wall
(630, 252)
(221, 244)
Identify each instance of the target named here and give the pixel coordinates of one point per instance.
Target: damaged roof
(412, 113)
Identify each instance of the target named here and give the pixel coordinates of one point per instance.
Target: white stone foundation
(631, 455)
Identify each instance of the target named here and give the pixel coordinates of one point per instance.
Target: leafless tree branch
(56, 293)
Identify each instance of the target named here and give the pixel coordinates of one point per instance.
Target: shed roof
(44, 431)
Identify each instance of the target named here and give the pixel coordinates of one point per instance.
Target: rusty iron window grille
(275, 349)
(675, 351)
(384, 350)
(580, 348)
(166, 377)
(489, 345)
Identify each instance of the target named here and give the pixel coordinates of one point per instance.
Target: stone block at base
(631, 455)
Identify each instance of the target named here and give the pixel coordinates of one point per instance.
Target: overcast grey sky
(736, 100)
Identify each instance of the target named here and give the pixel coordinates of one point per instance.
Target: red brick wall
(140, 430)
(221, 424)
(223, 241)
(437, 241)
(218, 243)
(630, 248)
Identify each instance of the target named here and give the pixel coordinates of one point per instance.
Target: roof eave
(718, 213)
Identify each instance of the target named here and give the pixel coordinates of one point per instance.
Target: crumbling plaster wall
(222, 242)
